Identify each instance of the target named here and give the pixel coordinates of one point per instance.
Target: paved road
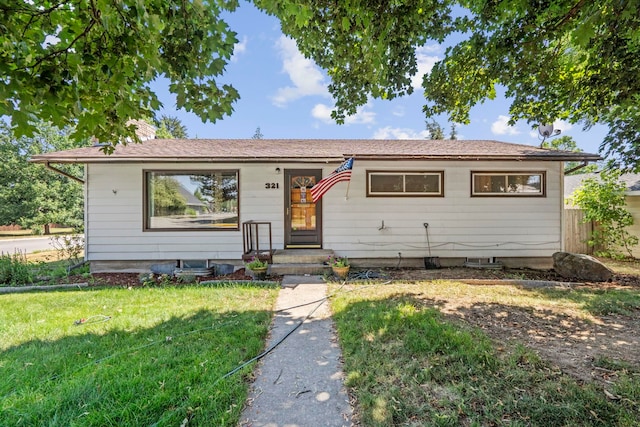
(27, 245)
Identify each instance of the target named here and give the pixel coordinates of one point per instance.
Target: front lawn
(444, 353)
(142, 356)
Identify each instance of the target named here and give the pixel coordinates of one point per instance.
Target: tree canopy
(90, 62)
(31, 195)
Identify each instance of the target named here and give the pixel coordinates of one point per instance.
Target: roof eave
(158, 159)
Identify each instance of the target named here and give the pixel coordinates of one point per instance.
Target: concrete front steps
(300, 261)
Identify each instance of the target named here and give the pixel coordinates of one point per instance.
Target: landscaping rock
(579, 266)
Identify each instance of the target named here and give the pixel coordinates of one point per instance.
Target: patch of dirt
(573, 344)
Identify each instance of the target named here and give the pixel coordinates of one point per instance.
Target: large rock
(579, 266)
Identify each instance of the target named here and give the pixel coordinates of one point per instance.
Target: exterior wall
(633, 206)
(114, 211)
(459, 225)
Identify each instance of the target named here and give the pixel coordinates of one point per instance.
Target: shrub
(603, 202)
(14, 269)
(69, 247)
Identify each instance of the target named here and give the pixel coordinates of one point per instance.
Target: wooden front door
(303, 218)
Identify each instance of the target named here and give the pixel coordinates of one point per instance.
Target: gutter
(269, 159)
(580, 166)
(63, 173)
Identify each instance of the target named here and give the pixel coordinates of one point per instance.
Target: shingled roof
(572, 182)
(308, 150)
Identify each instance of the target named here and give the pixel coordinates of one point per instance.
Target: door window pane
(303, 210)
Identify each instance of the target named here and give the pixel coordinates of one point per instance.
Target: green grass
(409, 366)
(158, 360)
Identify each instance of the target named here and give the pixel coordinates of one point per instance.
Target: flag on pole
(342, 173)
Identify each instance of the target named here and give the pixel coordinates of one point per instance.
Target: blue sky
(286, 96)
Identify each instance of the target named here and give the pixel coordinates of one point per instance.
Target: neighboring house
(406, 200)
(631, 181)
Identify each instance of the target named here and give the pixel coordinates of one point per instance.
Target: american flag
(342, 173)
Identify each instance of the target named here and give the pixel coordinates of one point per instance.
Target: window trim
(543, 183)
(145, 199)
(439, 173)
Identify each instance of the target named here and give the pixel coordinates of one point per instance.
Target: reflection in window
(192, 200)
(507, 184)
(404, 183)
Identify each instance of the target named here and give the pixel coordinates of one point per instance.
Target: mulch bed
(403, 274)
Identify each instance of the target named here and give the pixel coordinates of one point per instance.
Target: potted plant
(258, 267)
(340, 266)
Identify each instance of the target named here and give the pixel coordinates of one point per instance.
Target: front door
(303, 218)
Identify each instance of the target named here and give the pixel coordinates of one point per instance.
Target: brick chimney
(144, 130)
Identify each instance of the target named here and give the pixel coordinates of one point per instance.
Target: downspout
(61, 172)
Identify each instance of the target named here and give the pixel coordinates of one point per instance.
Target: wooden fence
(576, 232)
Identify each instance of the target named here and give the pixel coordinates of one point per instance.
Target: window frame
(404, 173)
(506, 174)
(146, 173)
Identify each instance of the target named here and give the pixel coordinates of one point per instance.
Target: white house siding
(459, 225)
(114, 206)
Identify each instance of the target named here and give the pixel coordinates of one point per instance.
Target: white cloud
(306, 76)
(363, 115)
(398, 111)
(502, 127)
(322, 112)
(425, 63)
(239, 48)
(389, 132)
(562, 125)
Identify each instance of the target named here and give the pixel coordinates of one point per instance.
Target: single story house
(632, 197)
(406, 200)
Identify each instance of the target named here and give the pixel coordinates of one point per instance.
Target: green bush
(14, 269)
(603, 202)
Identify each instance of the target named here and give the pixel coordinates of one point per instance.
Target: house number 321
(271, 185)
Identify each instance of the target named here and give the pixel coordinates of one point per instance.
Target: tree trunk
(47, 229)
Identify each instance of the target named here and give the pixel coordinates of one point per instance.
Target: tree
(574, 60)
(435, 130)
(91, 61)
(603, 201)
(257, 134)
(31, 195)
(454, 132)
(171, 128)
(566, 143)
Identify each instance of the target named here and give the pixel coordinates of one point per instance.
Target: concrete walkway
(300, 382)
